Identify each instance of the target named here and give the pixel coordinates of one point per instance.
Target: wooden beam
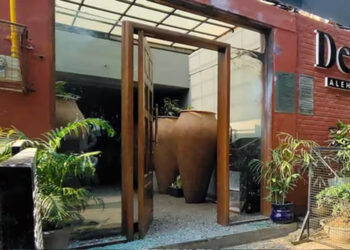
(127, 131)
(178, 37)
(223, 195)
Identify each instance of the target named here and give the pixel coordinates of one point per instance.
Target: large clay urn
(195, 136)
(66, 111)
(164, 153)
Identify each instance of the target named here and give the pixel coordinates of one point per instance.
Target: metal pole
(14, 35)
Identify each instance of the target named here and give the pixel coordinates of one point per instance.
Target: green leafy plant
(177, 183)
(340, 137)
(282, 172)
(336, 197)
(60, 204)
(62, 93)
(170, 107)
(7, 137)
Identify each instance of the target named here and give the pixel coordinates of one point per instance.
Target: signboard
(327, 55)
(337, 83)
(334, 55)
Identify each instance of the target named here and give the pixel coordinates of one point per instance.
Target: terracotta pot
(195, 137)
(164, 153)
(66, 111)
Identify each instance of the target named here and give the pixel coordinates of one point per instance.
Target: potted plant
(60, 203)
(175, 189)
(282, 173)
(340, 138)
(338, 199)
(164, 150)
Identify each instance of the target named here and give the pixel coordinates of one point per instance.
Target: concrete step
(277, 230)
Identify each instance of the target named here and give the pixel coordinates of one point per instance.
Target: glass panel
(211, 29)
(92, 25)
(95, 18)
(181, 22)
(246, 105)
(65, 10)
(246, 96)
(111, 5)
(221, 23)
(100, 15)
(117, 31)
(202, 35)
(172, 29)
(125, 18)
(65, 19)
(71, 6)
(154, 5)
(146, 13)
(187, 14)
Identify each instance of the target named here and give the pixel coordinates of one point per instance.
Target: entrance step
(275, 231)
(99, 242)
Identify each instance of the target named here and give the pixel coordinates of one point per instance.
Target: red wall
(33, 113)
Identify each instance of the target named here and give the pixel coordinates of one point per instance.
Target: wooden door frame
(223, 116)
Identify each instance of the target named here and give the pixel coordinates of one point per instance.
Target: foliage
(170, 107)
(62, 93)
(336, 197)
(177, 183)
(282, 172)
(340, 137)
(7, 135)
(59, 203)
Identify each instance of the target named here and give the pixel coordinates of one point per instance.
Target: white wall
(88, 55)
(246, 81)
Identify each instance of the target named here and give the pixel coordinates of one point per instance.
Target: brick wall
(330, 105)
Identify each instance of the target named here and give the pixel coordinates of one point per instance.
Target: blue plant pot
(282, 213)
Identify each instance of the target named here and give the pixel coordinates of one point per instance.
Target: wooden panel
(223, 196)
(127, 132)
(145, 123)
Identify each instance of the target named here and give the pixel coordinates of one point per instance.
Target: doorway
(201, 27)
(128, 142)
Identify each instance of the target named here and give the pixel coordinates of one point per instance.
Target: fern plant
(283, 171)
(340, 137)
(62, 93)
(59, 203)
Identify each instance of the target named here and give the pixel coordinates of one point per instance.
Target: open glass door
(145, 135)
